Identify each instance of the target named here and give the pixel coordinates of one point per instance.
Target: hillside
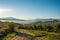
(29, 21)
(34, 31)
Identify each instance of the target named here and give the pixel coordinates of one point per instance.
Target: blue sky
(30, 9)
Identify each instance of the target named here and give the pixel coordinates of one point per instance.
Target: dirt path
(23, 36)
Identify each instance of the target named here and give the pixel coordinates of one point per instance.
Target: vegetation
(9, 36)
(47, 30)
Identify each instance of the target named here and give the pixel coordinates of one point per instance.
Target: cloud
(5, 10)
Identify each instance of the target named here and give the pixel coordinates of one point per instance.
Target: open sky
(30, 9)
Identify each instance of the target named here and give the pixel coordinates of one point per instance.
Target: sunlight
(5, 10)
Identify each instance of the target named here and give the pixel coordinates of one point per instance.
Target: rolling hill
(12, 19)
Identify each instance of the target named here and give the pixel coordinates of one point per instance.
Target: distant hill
(43, 20)
(11, 18)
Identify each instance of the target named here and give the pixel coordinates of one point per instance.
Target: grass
(53, 37)
(9, 36)
(42, 34)
(38, 34)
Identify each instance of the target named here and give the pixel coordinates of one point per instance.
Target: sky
(30, 9)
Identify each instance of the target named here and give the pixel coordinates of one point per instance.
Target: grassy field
(37, 34)
(41, 35)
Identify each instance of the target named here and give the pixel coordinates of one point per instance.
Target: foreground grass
(9, 36)
(40, 35)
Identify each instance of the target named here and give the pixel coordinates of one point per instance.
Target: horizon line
(31, 18)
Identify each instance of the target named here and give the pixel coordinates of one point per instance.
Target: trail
(23, 36)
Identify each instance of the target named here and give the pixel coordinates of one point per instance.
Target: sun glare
(5, 10)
